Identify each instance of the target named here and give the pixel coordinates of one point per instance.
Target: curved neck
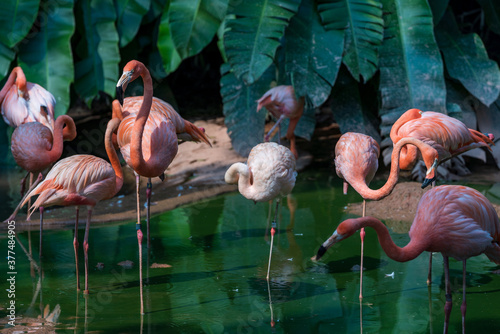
(60, 134)
(407, 116)
(110, 150)
(413, 249)
(16, 76)
(362, 188)
(240, 173)
(137, 159)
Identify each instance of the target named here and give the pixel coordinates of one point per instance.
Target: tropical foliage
(409, 53)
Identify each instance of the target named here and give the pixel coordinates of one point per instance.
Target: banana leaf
(467, 61)
(16, 19)
(411, 69)
(129, 17)
(97, 68)
(245, 125)
(253, 34)
(46, 57)
(6, 57)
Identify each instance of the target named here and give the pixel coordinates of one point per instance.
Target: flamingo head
(430, 175)
(131, 71)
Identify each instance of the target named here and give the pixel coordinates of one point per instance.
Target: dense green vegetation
(370, 59)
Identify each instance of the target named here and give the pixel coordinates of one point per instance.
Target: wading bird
(456, 221)
(81, 180)
(447, 135)
(269, 174)
(281, 102)
(356, 162)
(147, 140)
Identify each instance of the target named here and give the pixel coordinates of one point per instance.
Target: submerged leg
(463, 308)
(273, 230)
(76, 245)
(139, 238)
(41, 232)
(362, 236)
(447, 305)
(86, 251)
(149, 189)
(429, 275)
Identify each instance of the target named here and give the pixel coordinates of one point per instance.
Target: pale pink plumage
(269, 173)
(281, 102)
(446, 134)
(24, 102)
(456, 221)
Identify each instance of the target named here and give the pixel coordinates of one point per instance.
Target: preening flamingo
(147, 140)
(81, 180)
(456, 221)
(24, 102)
(281, 102)
(447, 135)
(356, 162)
(269, 174)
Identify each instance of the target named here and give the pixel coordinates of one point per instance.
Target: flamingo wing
(39, 107)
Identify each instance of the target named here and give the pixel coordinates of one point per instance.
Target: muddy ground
(198, 170)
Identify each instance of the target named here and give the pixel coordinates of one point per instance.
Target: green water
(218, 250)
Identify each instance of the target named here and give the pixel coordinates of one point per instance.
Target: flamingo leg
(86, 251)
(362, 236)
(75, 246)
(463, 308)
(28, 218)
(139, 239)
(273, 231)
(41, 232)
(149, 189)
(268, 135)
(448, 304)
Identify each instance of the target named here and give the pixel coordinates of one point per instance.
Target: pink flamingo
(356, 162)
(147, 140)
(268, 174)
(447, 135)
(456, 221)
(281, 102)
(81, 180)
(24, 102)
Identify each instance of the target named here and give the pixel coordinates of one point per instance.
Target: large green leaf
(97, 69)
(194, 23)
(467, 61)
(438, 8)
(491, 10)
(253, 34)
(245, 125)
(347, 107)
(411, 69)
(129, 17)
(46, 56)
(166, 46)
(16, 20)
(488, 120)
(6, 57)
(312, 54)
(363, 33)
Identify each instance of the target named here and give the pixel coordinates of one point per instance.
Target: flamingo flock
(454, 220)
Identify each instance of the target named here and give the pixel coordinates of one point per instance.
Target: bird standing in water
(356, 162)
(447, 135)
(269, 174)
(81, 180)
(281, 102)
(456, 221)
(147, 139)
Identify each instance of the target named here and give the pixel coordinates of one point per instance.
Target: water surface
(218, 250)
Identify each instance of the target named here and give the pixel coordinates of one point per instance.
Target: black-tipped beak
(427, 182)
(119, 94)
(321, 252)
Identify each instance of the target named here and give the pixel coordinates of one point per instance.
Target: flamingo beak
(336, 237)
(121, 85)
(430, 175)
